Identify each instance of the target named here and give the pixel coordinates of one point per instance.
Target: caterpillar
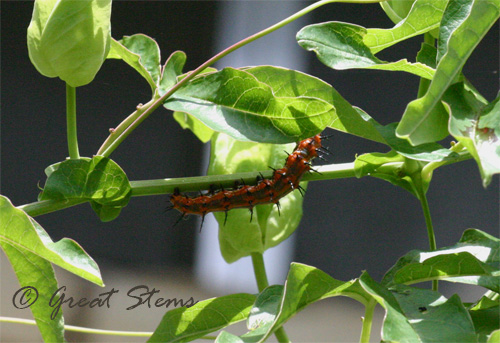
(266, 191)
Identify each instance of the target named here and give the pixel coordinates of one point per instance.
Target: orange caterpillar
(266, 191)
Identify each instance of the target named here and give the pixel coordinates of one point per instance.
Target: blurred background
(348, 225)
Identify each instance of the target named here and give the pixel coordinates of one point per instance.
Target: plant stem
(430, 228)
(71, 122)
(88, 330)
(367, 321)
(194, 184)
(124, 129)
(261, 277)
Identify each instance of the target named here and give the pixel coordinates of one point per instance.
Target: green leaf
(474, 260)
(141, 53)
(424, 16)
(172, 69)
(418, 315)
(187, 324)
(171, 73)
(38, 284)
(304, 286)
(341, 46)
(425, 119)
(494, 337)
(238, 236)
(477, 127)
(261, 317)
(23, 234)
(98, 180)
(70, 39)
(396, 10)
(187, 121)
(346, 118)
(237, 103)
(429, 152)
(486, 317)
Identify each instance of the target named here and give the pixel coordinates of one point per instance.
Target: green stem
(259, 270)
(188, 184)
(197, 183)
(88, 330)
(428, 169)
(430, 229)
(71, 122)
(367, 321)
(125, 128)
(261, 277)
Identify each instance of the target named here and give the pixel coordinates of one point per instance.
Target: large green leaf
(425, 119)
(31, 252)
(486, 317)
(477, 126)
(341, 46)
(141, 53)
(304, 286)
(24, 234)
(346, 118)
(424, 16)
(98, 180)
(419, 315)
(474, 260)
(38, 284)
(187, 324)
(239, 104)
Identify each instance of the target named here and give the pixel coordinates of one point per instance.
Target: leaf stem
(367, 321)
(197, 183)
(259, 269)
(430, 228)
(71, 122)
(125, 128)
(88, 330)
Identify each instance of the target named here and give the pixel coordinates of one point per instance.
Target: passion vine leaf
(476, 126)
(341, 46)
(304, 286)
(98, 180)
(260, 319)
(187, 324)
(424, 16)
(141, 53)
(24, 234)
(238, 236)
(38, 284)
(485, 315)
(172, 70)
(420, 315)
(346, 118)
(474, 260)
(425, 119)
(237, 103)
(31, 252)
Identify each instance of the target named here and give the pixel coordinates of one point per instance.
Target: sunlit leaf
(187, 324)
(341, 46)
(425, 119)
